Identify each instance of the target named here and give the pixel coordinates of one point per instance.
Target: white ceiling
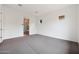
(37, 9)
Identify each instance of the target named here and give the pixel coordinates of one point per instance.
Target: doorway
(26, 26)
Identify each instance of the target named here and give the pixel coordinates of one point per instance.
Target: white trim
(1, 41)
(59, 38)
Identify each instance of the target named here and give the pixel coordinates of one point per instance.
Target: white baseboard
(59, 38)
(1, 41)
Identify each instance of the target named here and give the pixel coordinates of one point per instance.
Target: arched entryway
(26, 26)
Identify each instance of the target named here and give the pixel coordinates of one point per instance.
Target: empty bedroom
(39, 29)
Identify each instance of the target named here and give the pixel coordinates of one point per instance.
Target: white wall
(64, 29)
(13, 21)
(78, 23)
(0, 23)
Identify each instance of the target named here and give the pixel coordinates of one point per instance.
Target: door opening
(26, 26)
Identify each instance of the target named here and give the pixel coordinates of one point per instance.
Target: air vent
(20, 5)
